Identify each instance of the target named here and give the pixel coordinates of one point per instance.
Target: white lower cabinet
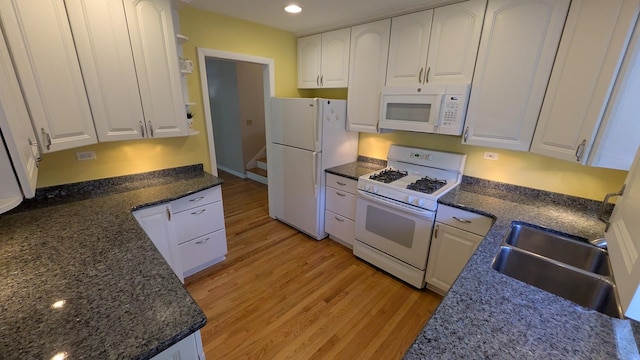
(188, 232)
(456, 236)
(340, 213)
(189, 348)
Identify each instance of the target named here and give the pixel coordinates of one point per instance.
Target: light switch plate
(490, 155)
(85, 155)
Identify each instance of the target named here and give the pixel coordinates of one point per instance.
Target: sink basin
(584, 288)
(558, 247)
(560, 264)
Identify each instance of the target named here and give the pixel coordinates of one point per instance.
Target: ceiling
(317, 15)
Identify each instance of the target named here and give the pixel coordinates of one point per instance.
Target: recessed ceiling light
(293, 9)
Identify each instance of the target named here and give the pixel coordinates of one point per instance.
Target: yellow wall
(204, 29)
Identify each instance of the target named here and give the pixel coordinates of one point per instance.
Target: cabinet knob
(462, 220)
(197, 199)
(466, 134)
(340, 220)
(202, 241)
(150, 128)
(47, 138)
(198, 212)
(141, 128)
(580, 150)
(340, 194)
(420, 75)
(340, 183)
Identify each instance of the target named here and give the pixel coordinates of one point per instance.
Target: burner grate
(388, 175)
(427, 185)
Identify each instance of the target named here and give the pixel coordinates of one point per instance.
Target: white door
(623, 239)
(335, 58)
(408, 49)
(455, 35)
(294, 122)
(367, 73)
(309, 65)
(593, 44)
(517, 49)
(16, 126)
(104, 50)
(296, 194)
(39, 37)
(156, 60)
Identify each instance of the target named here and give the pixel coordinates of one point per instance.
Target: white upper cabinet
(517, 49)
(19, 138)
(593, 45)
(104, 50)
(153, 43)
(45, 59)
(408, 49)
(367, 73)
(618, 138)
(309, 61)
(435, 46)
(323, 60)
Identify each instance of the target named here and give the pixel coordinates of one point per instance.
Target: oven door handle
(426, 214)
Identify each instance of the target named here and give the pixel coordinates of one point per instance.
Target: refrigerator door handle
(313, 174)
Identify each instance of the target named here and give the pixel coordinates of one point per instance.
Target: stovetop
(409, 179)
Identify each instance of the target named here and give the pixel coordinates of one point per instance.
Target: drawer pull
(462, 220)
(198, 212)
(340, 220)
(197, 199)
(340, 183)
(202, 241)
(340, 194)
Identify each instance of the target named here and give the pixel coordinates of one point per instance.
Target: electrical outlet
(85, 155)
(249, 122)
(490, 155)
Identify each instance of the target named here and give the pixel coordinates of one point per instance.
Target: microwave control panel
(452, 114)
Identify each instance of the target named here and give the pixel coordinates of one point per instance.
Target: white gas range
(396, 209)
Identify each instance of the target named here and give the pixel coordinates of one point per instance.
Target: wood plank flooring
(282, 295)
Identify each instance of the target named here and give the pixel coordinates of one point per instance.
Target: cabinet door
(408, 48)
(186, 349)
(335, 58)
(593, 44)
(618, 138)
(20, 140)
(155, 221)
(451, 248)
(39, 37)
(309, 61)
(104, 50)
(455, 35)
(367, 69)
(517, 49)
(156, 61)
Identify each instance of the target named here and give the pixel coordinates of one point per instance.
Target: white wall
(225, 114)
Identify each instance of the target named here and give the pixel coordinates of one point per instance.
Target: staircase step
(262, 163)
(257, 174)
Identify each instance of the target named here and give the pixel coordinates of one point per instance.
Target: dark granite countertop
(488, 315)
(80, 244)
(358, 168)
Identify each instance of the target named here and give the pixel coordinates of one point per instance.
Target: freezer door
(294, 122)
(297, 196)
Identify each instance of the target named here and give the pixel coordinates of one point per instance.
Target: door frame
(268, 80)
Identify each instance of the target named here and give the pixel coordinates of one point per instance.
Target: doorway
(231, 92)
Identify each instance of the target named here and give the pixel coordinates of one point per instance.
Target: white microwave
(430, 108)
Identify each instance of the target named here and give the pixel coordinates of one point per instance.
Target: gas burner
(427, 185)
(388, 175)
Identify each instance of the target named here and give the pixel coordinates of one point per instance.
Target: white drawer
(339, 227)
(202, 250)
(198, 221)
(341, 202)
(197, 199)
(465, 220)
(342, 183)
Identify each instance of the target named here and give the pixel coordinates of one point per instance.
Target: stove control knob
(421, 202)
(374, 190)
(411, 199)
(429, 157)
(367, 187)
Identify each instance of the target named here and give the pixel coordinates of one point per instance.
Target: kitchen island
(488, 315)
(80, 277)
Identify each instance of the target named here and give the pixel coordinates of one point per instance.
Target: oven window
(409, 112)
(390, 226)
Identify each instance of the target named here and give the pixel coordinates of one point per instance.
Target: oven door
(402, 231)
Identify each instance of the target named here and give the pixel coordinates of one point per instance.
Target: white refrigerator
(307, 136)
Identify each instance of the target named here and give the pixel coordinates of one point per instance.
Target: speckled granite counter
(358, 168)
(122, 300)
(488, 315)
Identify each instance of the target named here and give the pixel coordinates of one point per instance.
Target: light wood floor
(282, 295)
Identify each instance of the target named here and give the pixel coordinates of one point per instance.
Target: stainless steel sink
(559, 247)
(559, 265)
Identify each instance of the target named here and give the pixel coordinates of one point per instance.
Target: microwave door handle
(426, 214)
